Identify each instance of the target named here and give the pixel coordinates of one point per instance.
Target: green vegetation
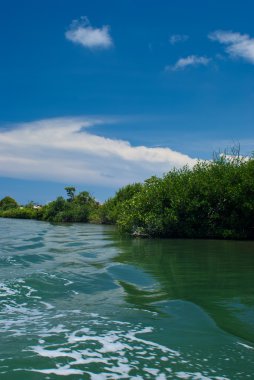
(111, 209)
(215, 199)
(212, 200)
(8, 203)
(20, 213)
(76, 208)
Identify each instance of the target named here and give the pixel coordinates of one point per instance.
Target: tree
(83, 198)
(51, 210)
(7, 203)
(70, 190)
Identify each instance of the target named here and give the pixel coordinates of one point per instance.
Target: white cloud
(175, 38)
(65, 150)
(191, 60)
(81, 32)
(237, 45)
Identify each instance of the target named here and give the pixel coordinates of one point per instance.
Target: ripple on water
(53, 275)
(56, 343)
(103, 350)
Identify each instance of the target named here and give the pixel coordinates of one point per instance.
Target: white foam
(47, 305)
(246, 345)
(108, 376)
(161, 376)
(6, 291)
(195, 376)
(57, 353)
(152, 371)
(183, 375)
(116, 354)
(30, 291)
(132, 337)
(61, 371)
(112, 351)
(199, 376)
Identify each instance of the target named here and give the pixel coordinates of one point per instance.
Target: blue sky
(98, 94)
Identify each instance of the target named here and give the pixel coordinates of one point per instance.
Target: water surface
(81, 302)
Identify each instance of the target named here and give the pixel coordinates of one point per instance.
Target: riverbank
(215, 199)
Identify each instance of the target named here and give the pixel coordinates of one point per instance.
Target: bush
(74, 209)
(20, 213)
(212, 200)
(111, 209)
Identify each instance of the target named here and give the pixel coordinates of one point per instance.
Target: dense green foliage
(21, 213)
(212, 200)
(8, 203)
(215, 199)
(9, 208)
(77, 208)
(111, 209)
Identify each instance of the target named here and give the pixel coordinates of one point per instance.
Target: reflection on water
(82, 302)
(215, 275)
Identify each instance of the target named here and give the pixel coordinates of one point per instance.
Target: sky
(98, 94)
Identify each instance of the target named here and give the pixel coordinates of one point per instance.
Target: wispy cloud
(176, 38)
(81, 32)
(65, 150)
(237, 45)
(191, 60)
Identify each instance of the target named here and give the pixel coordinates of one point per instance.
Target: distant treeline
(215, 199)
(76, 208)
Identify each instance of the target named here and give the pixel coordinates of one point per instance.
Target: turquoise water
(80, 302)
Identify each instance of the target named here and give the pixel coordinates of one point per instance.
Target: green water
(80, 302)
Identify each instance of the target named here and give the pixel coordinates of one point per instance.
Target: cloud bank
(81, 32)
(65, 150)
(191, 60)
(237, 45)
